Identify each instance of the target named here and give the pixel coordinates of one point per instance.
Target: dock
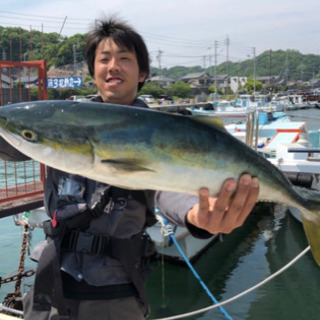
(21, 186)
(16, 206)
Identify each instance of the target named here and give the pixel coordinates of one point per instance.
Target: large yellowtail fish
(144, 149)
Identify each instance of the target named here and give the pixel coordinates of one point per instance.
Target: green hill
(59, 50)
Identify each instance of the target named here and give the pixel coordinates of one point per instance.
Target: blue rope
(195, 272)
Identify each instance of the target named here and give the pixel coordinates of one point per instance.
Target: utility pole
(74, 57)
(254, 69)
(238, 77)
(270, 65)
(159, 61)
(204, 62)
(210, 62)
(286, 68)
(301, 71)
(227, 53)
(215, 68)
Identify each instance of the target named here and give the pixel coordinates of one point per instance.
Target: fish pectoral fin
(312, 230)
(126, 165)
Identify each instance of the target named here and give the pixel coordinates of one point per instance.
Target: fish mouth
(10, 137)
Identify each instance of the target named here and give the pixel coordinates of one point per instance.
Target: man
(94, 262)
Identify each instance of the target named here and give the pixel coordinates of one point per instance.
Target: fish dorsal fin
(211, 121)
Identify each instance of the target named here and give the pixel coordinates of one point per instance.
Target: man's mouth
(114, 81)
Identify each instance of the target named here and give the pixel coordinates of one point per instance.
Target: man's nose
(114, 65)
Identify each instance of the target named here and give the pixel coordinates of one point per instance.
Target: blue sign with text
(64, 83)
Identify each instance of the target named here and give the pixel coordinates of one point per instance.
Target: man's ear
(142, 76)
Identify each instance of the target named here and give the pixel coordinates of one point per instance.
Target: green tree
(249, 86)
(152, 88)
(179, 89)
(211, 89)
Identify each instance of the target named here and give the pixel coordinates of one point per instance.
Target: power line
(56, 21)
(40, 16)
(196, 48)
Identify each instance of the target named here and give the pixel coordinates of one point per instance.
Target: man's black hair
(124, 36)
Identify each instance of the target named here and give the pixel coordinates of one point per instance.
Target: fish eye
(29, 135)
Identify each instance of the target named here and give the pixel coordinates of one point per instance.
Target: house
(162, 80)
(202, 80)
(221, 80)
(236, 83)
(198, 80)
(314, 83)
(269, 79)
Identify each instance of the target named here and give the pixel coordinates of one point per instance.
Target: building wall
(236, 83)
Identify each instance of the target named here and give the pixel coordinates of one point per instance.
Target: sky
(183, 32)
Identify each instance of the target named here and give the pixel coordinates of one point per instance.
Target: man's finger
(251, 201)
(225, 196)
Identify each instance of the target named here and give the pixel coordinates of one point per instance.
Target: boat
(300, 162)
(289, 146)
(295, 102)
(286, 144)
(265, 130)
(220, 109)
(161, 234)
(259, 102)
(8, 317)
(238, 108)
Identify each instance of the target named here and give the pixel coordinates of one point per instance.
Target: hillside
(61, 53)
(80, 69)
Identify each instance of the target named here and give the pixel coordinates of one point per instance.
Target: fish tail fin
(312, 230)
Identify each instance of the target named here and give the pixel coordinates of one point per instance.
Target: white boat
(220, 109)
(295, 102)
(291, 148)
(287, 145)
(272, 128)
(300, 161)
(258, 102)
(191, 247)
(239, 108)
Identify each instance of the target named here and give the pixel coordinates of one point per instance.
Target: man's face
(116, 73)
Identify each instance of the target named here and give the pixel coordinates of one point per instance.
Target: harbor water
(310, 116)
(269, 239)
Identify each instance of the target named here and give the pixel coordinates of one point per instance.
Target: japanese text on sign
(62, 83)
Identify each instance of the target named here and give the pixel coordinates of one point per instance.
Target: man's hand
(229, 210)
